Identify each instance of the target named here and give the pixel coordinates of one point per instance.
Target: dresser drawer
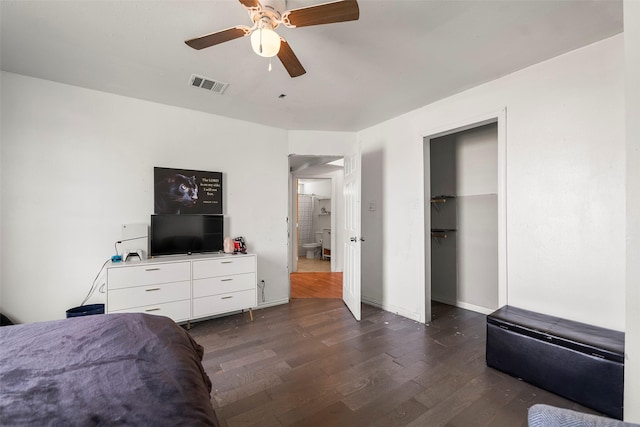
(223, 284)
(224, 266)
(223, 303)
(118, 299)
(179, 311)
(148, 274)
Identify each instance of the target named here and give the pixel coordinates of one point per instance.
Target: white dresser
(183, 288)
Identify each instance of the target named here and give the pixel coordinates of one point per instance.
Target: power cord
(262, 285)
(115, 245)
(93, 285)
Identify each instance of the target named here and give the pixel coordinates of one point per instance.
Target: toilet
(313, 249)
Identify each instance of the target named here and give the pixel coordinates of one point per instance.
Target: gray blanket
(114, 369)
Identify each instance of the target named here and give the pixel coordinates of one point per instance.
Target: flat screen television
(186, 234)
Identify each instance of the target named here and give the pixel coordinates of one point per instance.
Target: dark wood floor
(309, 363)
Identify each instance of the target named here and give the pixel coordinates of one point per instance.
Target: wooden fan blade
(290, 60)
(327, 13)
(250, 4)
(219, 37)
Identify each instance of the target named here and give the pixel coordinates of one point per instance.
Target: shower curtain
(305, 221)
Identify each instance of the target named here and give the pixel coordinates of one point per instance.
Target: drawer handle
(152, 269)
(152, 309)
(226, 280)
(152, 289)
(226, 262)
(227, 297)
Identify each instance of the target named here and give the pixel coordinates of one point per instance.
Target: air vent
(208, 84)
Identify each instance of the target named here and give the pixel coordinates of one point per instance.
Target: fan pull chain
(260, 40)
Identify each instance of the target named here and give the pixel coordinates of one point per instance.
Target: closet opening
(465, 218)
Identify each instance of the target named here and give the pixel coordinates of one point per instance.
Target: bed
(125, 369)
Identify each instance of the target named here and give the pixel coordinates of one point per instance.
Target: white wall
(318, 187)
(317, 143)
(477, 203)
(632, 337)
(337, 221)
(565, 188)
(477, 161)
(77, 164)
(478, 252)
(1, 222)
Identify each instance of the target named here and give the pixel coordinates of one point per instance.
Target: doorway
(465, 215)
(315, 193)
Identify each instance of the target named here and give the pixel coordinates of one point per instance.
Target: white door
(352, 239)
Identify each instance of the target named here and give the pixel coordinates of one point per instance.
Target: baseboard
(444, 301)
(464, 305)
(392, 309)
(272, 303)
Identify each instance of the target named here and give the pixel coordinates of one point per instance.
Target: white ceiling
(400, 55)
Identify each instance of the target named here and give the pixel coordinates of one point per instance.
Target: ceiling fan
(267, 15)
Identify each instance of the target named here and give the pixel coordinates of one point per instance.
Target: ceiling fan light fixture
(267, 16)
(265, 42)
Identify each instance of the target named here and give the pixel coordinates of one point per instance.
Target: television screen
(186, 234)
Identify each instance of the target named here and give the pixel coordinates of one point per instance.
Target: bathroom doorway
(313, 225)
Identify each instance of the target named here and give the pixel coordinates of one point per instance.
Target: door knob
(362, 239)
(354, 239)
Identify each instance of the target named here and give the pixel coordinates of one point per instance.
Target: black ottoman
(580, 362)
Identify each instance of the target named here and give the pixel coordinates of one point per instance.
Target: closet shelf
(440, 233)
(437, 200)
(442, 199)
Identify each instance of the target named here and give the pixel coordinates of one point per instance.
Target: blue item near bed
(126, 369)
(541, 415)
